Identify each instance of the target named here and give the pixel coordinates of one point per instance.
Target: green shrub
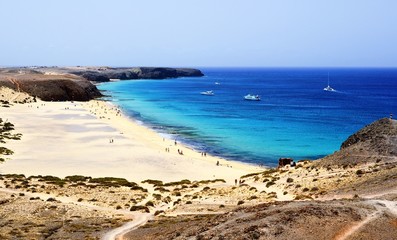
(112, 182)
(77, 178)
(270, 184)
(157, 196)
(359, 172)
(139, 208)
(184, 181)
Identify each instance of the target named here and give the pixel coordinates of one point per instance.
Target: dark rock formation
(68, 84)
(105, 74)
(62, 87)
(61, 90)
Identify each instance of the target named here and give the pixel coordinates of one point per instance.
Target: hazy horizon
(308, 33)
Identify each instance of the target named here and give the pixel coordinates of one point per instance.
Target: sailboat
(329, 88)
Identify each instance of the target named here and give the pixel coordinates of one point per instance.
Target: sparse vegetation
(153, 182)
(112, 182)
(5, 134)
(185, 181)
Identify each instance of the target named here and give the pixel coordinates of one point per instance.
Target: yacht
(252, 97)
(208, 93)
(329, 88)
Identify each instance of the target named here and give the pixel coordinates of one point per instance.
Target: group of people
(239, 181)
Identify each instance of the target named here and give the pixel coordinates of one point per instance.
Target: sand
(95, 139)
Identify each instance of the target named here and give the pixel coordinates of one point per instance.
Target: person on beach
(217, 163)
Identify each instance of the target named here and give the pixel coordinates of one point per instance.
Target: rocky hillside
(74, 83)
(49, 87)
(279, 220)
(373, 143)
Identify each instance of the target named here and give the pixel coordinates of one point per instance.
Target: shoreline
(99, 140)
(96, 139)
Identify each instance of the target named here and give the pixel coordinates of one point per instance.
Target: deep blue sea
(295, 117)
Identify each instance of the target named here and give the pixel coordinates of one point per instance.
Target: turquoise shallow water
(295, 117)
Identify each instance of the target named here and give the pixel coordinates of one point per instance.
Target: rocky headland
(77, 83)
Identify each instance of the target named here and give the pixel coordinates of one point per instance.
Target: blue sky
(256, 33)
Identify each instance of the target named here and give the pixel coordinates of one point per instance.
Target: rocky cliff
(105, 74)
(74, 83)
(54, 87)
(373, 143)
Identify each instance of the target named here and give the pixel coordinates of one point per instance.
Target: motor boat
(208, 93)
(252, 97)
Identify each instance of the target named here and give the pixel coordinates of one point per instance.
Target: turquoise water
(295, 117)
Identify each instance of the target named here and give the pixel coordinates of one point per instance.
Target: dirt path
(381, 207)
(118, 233)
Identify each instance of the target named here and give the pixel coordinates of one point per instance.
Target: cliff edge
(374, 143)
(75, 83)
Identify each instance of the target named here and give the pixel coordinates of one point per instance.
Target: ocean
(295, 118)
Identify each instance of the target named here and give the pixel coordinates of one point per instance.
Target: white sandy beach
(91, 139)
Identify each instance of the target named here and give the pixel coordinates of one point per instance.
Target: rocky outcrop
(377, 134)
(70, 83)
(55, 87)
(61, 90)
(373, 143)
(105, 74)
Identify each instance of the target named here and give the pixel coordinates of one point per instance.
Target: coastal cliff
(105, 74)
(49, 87)
(75, 83)
(374, 143)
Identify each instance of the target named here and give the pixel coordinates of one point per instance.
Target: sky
(205, 33)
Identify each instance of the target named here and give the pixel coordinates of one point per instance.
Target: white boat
(252, 97)
(217, 83)
(329, 88)
(208, 93)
